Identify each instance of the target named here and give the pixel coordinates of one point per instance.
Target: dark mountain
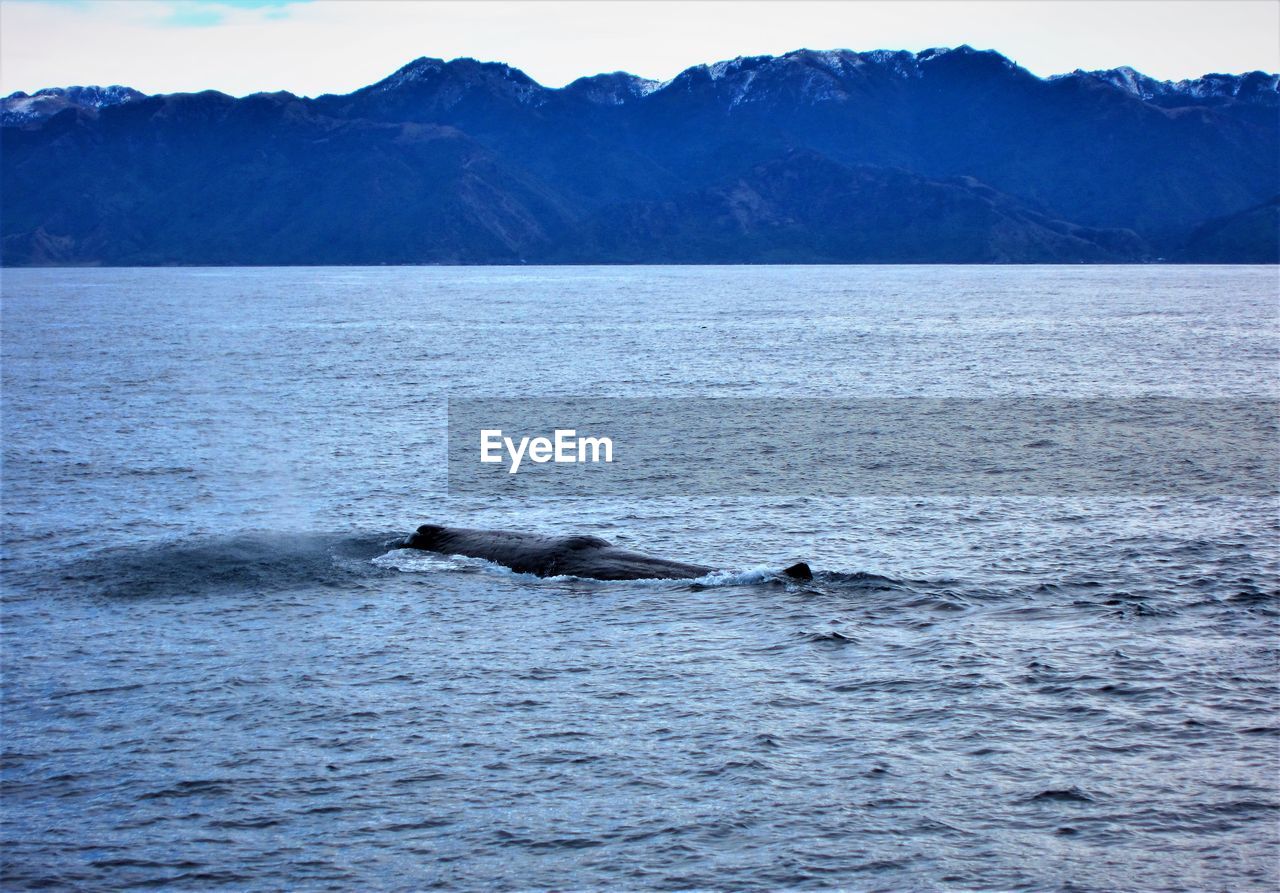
(806, 208)
(204, 178)
(1251, 236)
(946, 155)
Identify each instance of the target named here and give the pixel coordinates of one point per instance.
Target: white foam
(750, 577)
(416, 561)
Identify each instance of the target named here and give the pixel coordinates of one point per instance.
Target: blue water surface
(216, 673)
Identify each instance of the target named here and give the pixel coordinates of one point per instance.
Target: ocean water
(217, 673)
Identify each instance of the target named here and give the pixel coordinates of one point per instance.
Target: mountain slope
(1251, 236)
(805, 208)
(214, 180)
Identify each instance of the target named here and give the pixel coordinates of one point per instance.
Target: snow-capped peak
(21, 108)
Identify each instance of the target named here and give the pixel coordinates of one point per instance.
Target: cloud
(206, 13)
(178, 13)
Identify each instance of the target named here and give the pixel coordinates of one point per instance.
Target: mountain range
(944, 156)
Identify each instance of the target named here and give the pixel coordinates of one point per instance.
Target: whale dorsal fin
(799, 571)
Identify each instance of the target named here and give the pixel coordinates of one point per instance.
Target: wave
(251, 561)
(272, 561)
(262, 562)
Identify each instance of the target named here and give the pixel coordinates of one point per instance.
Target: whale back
(553, 556)
(550, 556)
(525, 553)
(578, 543)
(425, 537)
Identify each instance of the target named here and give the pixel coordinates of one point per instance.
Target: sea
(220, 672)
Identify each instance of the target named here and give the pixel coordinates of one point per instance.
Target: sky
(334, 46)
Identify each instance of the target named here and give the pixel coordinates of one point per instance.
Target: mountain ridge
(1258, 84)
(999, 164)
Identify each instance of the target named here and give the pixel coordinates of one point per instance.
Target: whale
(555, 556)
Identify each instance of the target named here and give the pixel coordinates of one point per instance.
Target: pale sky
(334, 46)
